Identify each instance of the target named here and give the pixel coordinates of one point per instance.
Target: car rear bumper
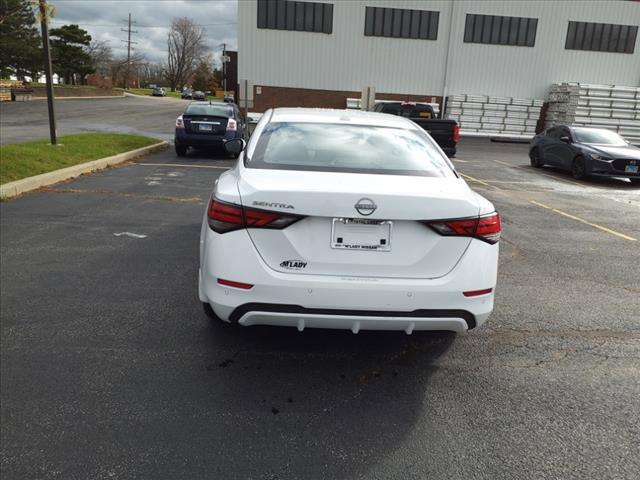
(203, 140)
(354, 320)
(354, 303)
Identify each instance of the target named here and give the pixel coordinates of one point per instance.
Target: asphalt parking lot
(110, 369)
(151, 116)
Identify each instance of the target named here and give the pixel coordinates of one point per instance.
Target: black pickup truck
(446, 133)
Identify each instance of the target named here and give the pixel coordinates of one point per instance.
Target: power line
(107, 25)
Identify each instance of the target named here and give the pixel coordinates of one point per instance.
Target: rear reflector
(486, 228)
(475, 293)
(226, 217)
(231, 283)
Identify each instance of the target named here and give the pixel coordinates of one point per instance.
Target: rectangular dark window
(601, 37)
(401, 23)
(499, 30)
(295, 15)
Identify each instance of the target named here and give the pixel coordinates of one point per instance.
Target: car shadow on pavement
(327, 402)
(605, 182)
(207, 154)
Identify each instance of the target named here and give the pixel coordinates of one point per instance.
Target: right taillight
(232, 125)
(486, 227)
(456, 133)
(226, 217)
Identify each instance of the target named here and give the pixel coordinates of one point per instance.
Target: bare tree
(101, 56)
(152, 73)
(186, 47)
(118, 67)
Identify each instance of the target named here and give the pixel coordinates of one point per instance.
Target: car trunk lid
(330, 201)
(205, 124)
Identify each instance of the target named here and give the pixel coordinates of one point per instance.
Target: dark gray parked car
(586, 151)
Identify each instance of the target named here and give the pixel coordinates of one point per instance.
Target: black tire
(578, 168)
(536, 158)
(635, 180)
(210, 313)
(181, 150)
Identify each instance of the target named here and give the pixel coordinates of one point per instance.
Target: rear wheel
(536, 159)
(578, 168)
(181, 150)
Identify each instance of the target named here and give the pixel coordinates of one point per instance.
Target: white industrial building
(318, 53)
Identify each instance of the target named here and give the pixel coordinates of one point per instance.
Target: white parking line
(184, 165)
(582, 220)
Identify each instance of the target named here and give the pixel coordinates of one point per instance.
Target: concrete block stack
(613, 107)
(483, 115)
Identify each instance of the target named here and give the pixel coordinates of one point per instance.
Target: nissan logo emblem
(365, 206)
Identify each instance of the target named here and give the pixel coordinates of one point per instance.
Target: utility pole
(47, 68)
(128, 42)
(224, 68)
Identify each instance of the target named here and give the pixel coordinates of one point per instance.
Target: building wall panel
(348, 60)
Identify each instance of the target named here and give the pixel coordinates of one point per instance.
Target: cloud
(104, 19)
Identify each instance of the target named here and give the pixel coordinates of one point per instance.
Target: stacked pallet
(5, 89)
(612, 107)
(483, 115)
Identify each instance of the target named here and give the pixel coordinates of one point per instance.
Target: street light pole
(47, 69)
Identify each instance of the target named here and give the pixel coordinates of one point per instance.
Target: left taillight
(456, 133)
(486, 228)
(179, 122)
(226, 217)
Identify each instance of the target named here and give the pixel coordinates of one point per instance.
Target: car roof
(327, 115)
(206, 102)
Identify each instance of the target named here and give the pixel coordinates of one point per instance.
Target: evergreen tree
(20, 43)
(68, 52)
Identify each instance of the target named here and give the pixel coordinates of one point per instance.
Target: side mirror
(565, 139)
(235, 146)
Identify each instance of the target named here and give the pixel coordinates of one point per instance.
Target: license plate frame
(631, 169)
(363, 234)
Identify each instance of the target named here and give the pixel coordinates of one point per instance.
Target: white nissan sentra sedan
(348, 220)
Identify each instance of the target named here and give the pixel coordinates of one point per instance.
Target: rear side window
(325, 147)
(210, 110)
(408, 110)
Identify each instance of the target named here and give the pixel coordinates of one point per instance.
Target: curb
(76, 98)
(136, 95)
(13, 189)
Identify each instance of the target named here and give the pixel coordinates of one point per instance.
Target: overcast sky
(103, 19)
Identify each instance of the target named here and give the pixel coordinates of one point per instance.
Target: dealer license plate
(361, 234)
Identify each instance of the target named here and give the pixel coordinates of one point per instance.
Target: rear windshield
(211, 110)
(325, 147)
(408, 110)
